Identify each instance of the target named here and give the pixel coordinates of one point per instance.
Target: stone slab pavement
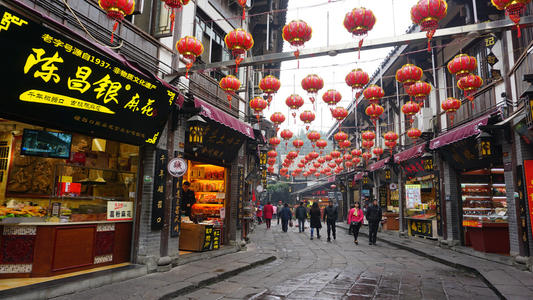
(507, 281)
(316, 269)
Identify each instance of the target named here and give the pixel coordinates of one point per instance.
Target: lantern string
(89, 34)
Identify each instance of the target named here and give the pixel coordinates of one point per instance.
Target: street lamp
(197, 128)
(484, 145)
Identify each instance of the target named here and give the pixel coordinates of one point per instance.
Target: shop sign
(528, 171)
(175, 215)
(240, 175)
(158, 203)
(63, 84)
(472, 223)
(383, 196)
(492, 59)
(177, 167)
(216, 238)
(393, 186)
(119, 210)
(421, 227)
(412, 195)
(220, 143)
(418, 167)
(208, 238)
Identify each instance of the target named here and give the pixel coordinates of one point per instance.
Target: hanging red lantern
(357, 152)
(297, 33)
(340, 136)
(271, 160)
(301, 165)
(414, 133)
(313, 155)
(313, 136)
(367, 144)
(390, 136)
(269, 85)
(285, 164)
(316, 164)
(378, 151)
(338, 161)
(450, 106)
(469, 84)
(328, 157)
(374, 111)
(332, 165)
(335, 154)
(373, 93)
(462, 65)
(390, 145)
(326, 170)
(239, 42)
(312, 84)
(345, 144)
(368, 135)
(427, 14)
(408, 74)
(297, 143)
(272, 154)
(292, 155)
(317, 175)
(321, 144)
(321, 160)
(367, 156)
(230, 84)
(283, 171)
(190, 48)
(357, 79)
(307, 117)
(356, 161)
(339, 113)
(173, 5)
(270, 170)
(258, 104)
(294, 102)
(419, 90)
(359, 22)
(286, 134)
(332, 97)
(348, 164)
(274, 141)
(513, 8)
(116, 10)
(409, 109)
(242, 3)
(277, 118)
(347, 156)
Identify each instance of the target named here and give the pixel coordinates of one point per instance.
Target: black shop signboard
(52, 80)
(159, 192)
(220, 144)
(417, 167)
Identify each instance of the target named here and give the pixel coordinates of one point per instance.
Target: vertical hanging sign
(158, 203)
(240, 192)
(528, 171)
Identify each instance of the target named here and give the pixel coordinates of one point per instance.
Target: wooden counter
(46, 249)
(491, 237)
(392, 221)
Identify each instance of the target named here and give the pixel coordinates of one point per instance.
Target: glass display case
(484, 202)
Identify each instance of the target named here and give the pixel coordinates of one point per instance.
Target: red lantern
(340, 136)
(321, 144)
(313, 136)
(390, 145)
(292, 155)
(172, 5)
(345, 144)
(269, 85)
(313, 155)
(312, 84)
(332, 97)
(270, 170)
(462, 65)
(409, 109)
(420, 91)
(321, 160)
(307, 117)
(368, 135)
(339, 113)
(117, 10)
(274, 141)
(367, 156)
(286, 134)
(277, 118)
(301, 165)
(332, 165)
(258, 104)
(271, 161)
(297, 33)
(378, 151)
(348, 164)
(316, 164)
(272, 154)
(338, 161)
(357, 152)
(356, 160)
(328, 157)
(283, 171)
(294, 102)
(390, 136)
(229, 84)
(359, 22)
(239, 42)
(367, 144)
(335, 154)
(373, 93)
(469, 84)
(374, 111)
(348, 156)
(317, 175)
(414, 133)
(513, 8)
(450, 106)
(427, 14)
(327, 170)
(190, 48)
(357, 79)
(242, 3)
(297, 143)
(408, 74)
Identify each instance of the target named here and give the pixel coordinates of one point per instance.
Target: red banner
(528, 170)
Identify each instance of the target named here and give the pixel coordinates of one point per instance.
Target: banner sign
(158, 201)
(413, 197)
(421, 227)
(528, 171)
(56, 81)
(119, 210)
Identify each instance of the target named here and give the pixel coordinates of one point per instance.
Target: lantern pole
(474, 8)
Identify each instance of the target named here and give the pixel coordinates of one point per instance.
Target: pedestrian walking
(331, 215)
(301, 215)
(373, 215)
(285, 216)
(314, 215)
(259, 215)
(275, 209)
(268, 211)
(355, 218)
(279, 208)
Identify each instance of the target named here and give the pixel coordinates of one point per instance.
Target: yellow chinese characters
(48, 68)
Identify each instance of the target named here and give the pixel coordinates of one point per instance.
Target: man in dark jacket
(187, 199)
(373, 215)
(286, 216)
(301, 215)
(330, 217)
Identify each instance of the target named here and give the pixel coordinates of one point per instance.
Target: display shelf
(203, 179)
(474, 184)
(476, 197)
(477, 208)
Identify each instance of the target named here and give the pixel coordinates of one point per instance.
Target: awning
(459, 133)
(217, 115)
(412, 152)
(378, 165)
(359, 176)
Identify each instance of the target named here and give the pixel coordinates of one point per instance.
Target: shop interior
(421, 205)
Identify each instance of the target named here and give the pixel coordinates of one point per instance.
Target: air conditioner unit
(424, 119)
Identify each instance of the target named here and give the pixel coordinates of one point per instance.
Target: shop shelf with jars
(483, 203)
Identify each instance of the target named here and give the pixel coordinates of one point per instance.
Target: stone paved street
(316, 269)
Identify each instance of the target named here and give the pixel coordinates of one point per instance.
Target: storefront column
(451, 184)
(508, 165)
(524, 151)
(401, 202)
(234, 197)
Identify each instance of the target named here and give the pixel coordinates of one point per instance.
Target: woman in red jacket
(268, 211)
(355, 218)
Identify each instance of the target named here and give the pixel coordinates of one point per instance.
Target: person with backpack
(331, 214)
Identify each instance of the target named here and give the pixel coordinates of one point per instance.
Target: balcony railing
(207, 88)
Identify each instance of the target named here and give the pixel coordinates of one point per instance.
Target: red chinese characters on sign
(528, 170)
